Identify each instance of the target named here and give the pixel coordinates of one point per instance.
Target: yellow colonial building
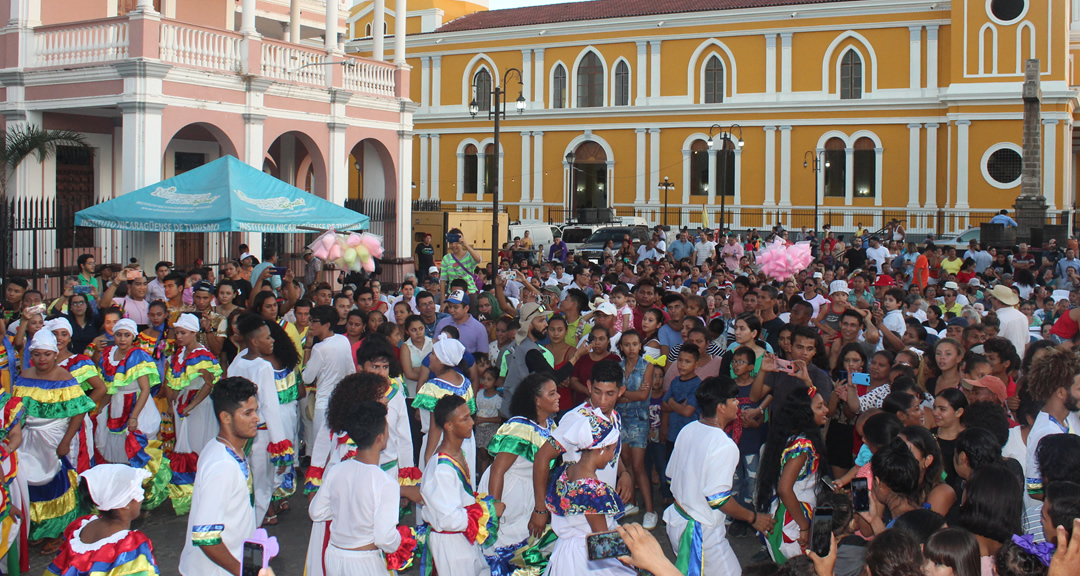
(912, 107)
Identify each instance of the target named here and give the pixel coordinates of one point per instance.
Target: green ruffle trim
(54, 410)
(54, 527)
(425, 402)
(142, 369)
(513, 445)
(157, 487)
(288, 395)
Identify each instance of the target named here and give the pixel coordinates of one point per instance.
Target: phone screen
(860, 495)
(253, 559)
(821, 532)
(605, 545)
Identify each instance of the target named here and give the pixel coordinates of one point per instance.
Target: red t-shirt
(568, 398)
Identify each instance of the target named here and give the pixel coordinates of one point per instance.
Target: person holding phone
(460, 261)
(135, 305)
(702, 471)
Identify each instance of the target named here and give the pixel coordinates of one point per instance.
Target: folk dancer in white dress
(701, 471)
(222, 503)
(86, 373)
(459, 521)
(359, 502)
(509, 478)
(446, 379)
(190, 374)
(272, 449)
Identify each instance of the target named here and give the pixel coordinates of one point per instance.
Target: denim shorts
(635, 432)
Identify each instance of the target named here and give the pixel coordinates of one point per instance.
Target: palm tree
(21, 141)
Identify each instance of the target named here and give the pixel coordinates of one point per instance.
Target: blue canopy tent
(225, 195)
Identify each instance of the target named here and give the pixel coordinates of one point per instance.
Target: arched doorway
(295, 159)
(373, 189)
(191, 147)
(588, 177)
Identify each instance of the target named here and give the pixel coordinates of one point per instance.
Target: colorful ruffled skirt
(51, 481)
(140, 449)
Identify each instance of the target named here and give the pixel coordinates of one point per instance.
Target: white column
(294, 21)
(654, 165)
(913, 165)
(424, 166)
(820, 176)
(770, 166)
(770, 65)
(330, 39)
(539, 75)
(403, 224)
(712, 176)
(247, 17)
(849, 183)
(526, 75)
(400, 11)
(654, 69)
(932, 57)
(962, 164)
(526, 160)
(639, 167)
(425, 82)
(642, 75)
(434, 171)
(879, 169)
(538, 172)
(337, 166)
(142, 159)
(1050, 163)
(460, 176)
(377, 36)
(915, 57)
(785, 165)
(931, 166)
(785, 62)
(143, 5)
(686, 176)
(436, 81)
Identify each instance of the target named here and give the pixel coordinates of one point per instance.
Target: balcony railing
(370, 77)
(284, 61)
(81, 43)
(200, 47)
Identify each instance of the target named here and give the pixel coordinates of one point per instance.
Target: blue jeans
(746, 479)
(656, 458)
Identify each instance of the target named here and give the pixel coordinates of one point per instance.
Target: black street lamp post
(666, 186)
(815, 160)
(497, 111)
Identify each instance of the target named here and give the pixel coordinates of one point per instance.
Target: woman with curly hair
(787, 480)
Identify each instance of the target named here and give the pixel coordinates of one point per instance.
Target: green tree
(22, 141)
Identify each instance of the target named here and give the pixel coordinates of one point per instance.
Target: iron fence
(40, 242)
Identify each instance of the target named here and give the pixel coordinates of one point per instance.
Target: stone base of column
(1030, 213)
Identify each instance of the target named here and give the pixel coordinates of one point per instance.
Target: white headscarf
(113, 486)
(128, 325)
(188, 322)
(58, 324)
(449, 351)
(44, 340)
(595, 432)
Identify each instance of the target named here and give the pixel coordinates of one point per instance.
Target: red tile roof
(601, 9)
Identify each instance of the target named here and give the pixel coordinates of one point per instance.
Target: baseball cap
(818, 276)
(433, 270)
(884, 280)
(457, 297)
(606, 308)
(989, 382)
(307, 251)
(958, 321)
(839, 286)
(974, 282)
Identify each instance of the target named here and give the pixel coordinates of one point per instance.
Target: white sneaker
(649, 522)
(631, 510)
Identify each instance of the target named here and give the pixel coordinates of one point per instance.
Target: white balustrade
(282, 61)
(192, 46)
(86, 44)
(369, 77)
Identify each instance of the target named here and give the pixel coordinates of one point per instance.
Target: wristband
(540, 512)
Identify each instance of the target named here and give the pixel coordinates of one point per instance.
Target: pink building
(162, 86)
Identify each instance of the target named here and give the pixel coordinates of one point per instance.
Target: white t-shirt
(879, 255)
(331, 360)
(704, 250)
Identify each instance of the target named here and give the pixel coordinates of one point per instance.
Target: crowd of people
(892, 410)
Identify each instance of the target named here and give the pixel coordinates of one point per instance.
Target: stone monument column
(1031, 205)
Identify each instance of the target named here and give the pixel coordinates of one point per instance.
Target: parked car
(960, 241)
(593, 248)
(575, 235)
(541, 234)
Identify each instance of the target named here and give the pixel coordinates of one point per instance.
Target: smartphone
(860, 495)
(451, 238)
(81, 289)
(278, 270)
(843, 375)
(877, 305)
(253, 559)
(36, 309)
(785, 366)
(133, 275)
(603, 545)
(820, 532)
(861, 380)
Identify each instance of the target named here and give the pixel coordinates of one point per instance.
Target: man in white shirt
(648, 250)
(878, 253)
(326, 363)
(704, 250)
(155, 290)
(1014, 325)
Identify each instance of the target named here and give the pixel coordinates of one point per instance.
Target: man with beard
(1054, 381)
(530, 356)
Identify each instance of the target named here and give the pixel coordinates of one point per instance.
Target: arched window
(865, 168)
(472, 166)
(482, 92)
(590, 82)
(367, 30)
(714, 80)
(835, 168)
(851, 76)
(558, 87)
(725, 166)
(699, 168)
(622, 84)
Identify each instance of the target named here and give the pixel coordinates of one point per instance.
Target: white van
(541, 234)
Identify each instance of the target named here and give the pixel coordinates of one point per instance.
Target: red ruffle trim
(409, 476)
(313, 479)
(402, 558)
(83, 563)
(184, 463)
(281, 453)
(475, 512)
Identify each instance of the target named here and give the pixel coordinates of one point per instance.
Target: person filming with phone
(134, 305)
(460, 261)
(780, 377)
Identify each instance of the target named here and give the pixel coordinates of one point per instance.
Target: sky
(500, 4)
